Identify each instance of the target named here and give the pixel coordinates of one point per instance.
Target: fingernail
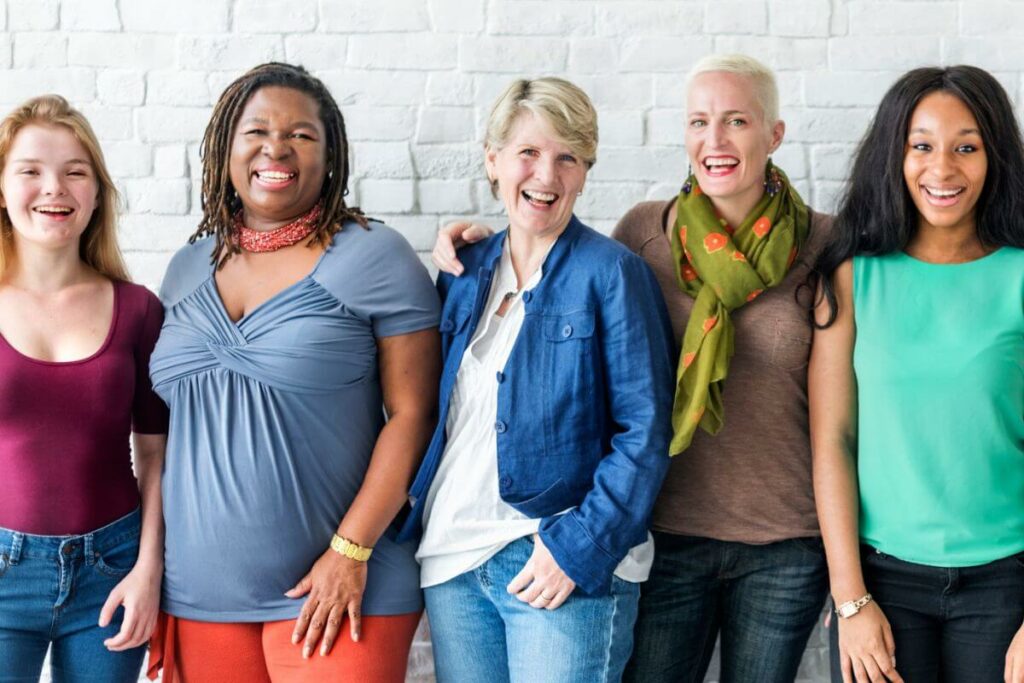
(305, 653)
(323, 651)
(295, 638)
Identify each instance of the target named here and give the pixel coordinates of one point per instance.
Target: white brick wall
(416, 77)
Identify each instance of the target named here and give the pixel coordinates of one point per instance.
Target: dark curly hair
(877, 214)
(220, 202)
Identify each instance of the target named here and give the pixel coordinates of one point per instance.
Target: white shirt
(465, 520)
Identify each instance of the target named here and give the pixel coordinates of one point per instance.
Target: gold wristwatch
(350, 549)
(851, 607)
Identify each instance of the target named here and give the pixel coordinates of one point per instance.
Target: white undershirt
(465, 520)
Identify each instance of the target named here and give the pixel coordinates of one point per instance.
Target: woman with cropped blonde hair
(75, 340)
(739, 552)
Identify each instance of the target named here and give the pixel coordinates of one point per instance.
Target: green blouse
(939, 360)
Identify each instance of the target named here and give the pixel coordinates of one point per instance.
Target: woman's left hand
(139, 594)
(1014, 672)
(541, 583)
(335, 586)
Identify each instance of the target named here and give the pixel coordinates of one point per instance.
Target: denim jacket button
(500, 427)
(567, 331)
(500, 376)
(527, 296)
(505, 482)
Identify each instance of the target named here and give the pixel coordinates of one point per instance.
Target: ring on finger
(547, 598)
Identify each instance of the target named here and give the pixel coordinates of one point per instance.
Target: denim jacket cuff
(577, 554)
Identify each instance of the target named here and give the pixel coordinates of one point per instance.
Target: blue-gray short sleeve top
(273, 421)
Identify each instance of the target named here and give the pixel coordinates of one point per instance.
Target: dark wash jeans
(764, 599)
(950, 624)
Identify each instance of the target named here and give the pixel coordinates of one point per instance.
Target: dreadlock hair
(877, 215)
(220, 201)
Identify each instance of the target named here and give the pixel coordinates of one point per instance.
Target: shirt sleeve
(381, 279)
(189, 267)
(149, 413)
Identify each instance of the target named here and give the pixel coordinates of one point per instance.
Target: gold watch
(350, 549)
(851, 607)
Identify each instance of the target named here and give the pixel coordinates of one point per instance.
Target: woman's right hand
(450, 238)
(867, 650)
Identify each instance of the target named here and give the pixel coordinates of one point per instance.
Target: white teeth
(274, 175)
(721, 162)
(54, 209)
(540, 196)
(936, 192)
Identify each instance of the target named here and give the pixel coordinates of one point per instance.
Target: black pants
(950, 624)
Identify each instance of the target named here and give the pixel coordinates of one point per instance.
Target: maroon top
(65, 462)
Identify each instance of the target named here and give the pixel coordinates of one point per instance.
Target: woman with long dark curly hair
(917, 389)
(292, 323)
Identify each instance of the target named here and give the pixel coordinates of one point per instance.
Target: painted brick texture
(415, 79)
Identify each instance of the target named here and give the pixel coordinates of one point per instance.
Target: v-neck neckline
(237, 324)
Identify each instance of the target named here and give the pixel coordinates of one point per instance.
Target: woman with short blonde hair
(535, 493)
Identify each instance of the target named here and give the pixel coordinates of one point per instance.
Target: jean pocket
(116, 561)
(1019, 560)
(871, 554)
(5, 562)
(812, 545)
(622, 587)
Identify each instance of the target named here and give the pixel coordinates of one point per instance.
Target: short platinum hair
(561, 104)
(766, 90)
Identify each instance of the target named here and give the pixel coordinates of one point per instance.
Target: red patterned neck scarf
(260, 241)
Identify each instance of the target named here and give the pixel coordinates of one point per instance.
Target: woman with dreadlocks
(292, 323)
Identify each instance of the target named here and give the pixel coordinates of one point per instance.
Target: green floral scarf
(723, 268)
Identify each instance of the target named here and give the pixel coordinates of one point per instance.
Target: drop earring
(688, 186)
(772, 179)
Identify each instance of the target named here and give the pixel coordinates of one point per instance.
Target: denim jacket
(584, 401)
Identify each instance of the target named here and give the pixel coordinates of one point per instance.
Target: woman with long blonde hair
(80, 559)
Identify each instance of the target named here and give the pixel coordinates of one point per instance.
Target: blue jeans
(764, 599)
(950, 624)
(481, 633)
(51, 592)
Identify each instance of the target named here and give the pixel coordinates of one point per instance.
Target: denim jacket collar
(492, 253)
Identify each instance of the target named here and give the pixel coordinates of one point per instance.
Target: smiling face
(49, 186)
(727, 139)
(944, 164)
(538, 177)
(278, 157)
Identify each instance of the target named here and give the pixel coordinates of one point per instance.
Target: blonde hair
(562, 105)
(98, 246)
(766, 90)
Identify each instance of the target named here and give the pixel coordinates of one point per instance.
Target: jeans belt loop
(16, 540)
(87, 551)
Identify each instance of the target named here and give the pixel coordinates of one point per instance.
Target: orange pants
(204, 652)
